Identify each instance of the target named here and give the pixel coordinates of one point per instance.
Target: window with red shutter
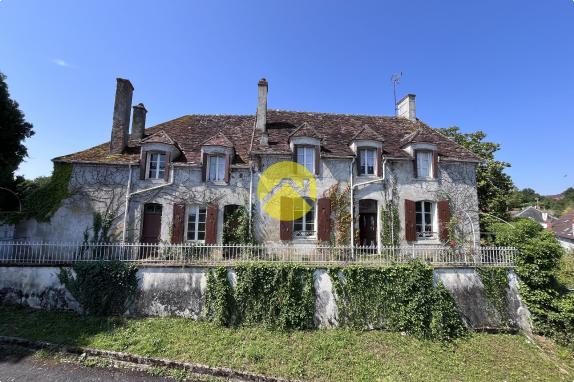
(410, 218)
(178, 223)
(443, 219)
(211, 224)
(324, 219)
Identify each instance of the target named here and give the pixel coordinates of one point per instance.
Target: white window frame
(420, 154)
(363, 156)
(219, 175)
(425, 234)
(307, 154)
(306, 221)
(158, 169)
(195, 211)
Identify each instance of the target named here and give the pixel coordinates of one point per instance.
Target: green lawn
(566, 272)
(321, 355)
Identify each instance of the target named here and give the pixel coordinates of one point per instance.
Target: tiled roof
(367, 133)
(190, 132)
(159, 137)
(305, 130)
(218, 139)
(564, 226)
(534, 214)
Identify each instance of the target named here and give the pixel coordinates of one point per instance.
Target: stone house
(544, 218)
(563, 228)
(179, 180)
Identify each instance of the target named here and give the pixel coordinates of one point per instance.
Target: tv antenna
(395, 79)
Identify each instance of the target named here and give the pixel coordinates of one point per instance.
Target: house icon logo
(287, 191)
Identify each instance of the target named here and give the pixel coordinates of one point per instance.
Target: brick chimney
(262, 105)
(406, 107)
(122, 111)
(138, 122)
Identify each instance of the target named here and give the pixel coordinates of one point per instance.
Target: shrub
(101, 287)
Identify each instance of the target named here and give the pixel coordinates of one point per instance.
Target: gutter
(129, 195)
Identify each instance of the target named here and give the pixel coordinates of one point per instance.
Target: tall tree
(494, 186)
(14, 129)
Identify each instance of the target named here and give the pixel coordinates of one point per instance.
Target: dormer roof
(367, 134)
(159, 137)
(218, 139)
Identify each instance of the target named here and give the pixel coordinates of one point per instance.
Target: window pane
(212, 168)
(201, 236)
(419, 218)
(220, 168)
(428, 218)
(424, 159)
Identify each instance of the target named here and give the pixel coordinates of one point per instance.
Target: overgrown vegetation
(390, 224)
(495, 281)
(316, 355)
(101, 287)
(398, 298)
(275, 295)
(340, 201)
(237, 229)
(558, 204)
(537, 263)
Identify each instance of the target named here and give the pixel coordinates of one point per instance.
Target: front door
(368, 229)
(151, 223)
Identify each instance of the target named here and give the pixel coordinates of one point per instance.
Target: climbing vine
(390, 224)
(397, 298)
(274, 295)
(340, 200)
(237, 227)
(495, 281)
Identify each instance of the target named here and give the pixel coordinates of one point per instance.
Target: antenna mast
(395, 79)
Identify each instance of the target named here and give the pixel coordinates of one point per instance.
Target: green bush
(220, 304)
(537, 263)
(101, 287)
(495, 281)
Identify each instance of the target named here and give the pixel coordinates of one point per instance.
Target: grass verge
(320, 355)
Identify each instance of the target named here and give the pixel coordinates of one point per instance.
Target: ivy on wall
(102, 287)
(275, 295)
(340, 201)
(390, 224)
(397, 298)
(495, 281)
(237, 229)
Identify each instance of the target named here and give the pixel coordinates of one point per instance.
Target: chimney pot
(122, 112)
(261, 117)
(406, 107)
(138, 123)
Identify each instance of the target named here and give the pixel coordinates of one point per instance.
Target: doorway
(368, 223)
(151, 223)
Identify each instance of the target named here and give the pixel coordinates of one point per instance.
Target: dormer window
(156, 165)
(424, 163)
(216, 168)
(306, 157)
(367, 158)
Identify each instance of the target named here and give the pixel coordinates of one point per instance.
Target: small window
(424, 164)
(216, 168)
(304, 227)
(424, 220)
(367, 160)
(196, 223)
(306, 157)
(156, 165)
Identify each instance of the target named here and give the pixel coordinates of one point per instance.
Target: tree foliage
(494, 186)
(14, 129)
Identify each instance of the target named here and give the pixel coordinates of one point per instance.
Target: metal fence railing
(29, 253)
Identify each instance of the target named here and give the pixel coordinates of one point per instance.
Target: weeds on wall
(495, 281)
(397, 298)
(237, 227)
(101, 288)
(277, 296)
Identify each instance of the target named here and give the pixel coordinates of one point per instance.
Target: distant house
(536, 214)
(564, 230)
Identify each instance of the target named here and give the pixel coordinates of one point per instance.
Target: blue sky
(504, 67)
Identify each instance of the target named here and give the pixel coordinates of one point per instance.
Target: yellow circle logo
(287, 191)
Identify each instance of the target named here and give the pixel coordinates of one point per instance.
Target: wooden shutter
(227, 168)
(286, 226)
(167, 166)
(211, 224)
(317, 159)
(379, 161)
(410, 219)
(294, 158)
(178, 223)
(358, 161)
(143, 164)
(443, 219)
(435, 164)
(204, 167)
(324, 219)
(415, 170)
